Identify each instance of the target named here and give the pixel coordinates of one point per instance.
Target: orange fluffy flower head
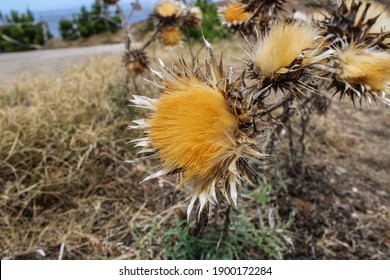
(195, 132)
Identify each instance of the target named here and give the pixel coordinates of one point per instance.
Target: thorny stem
(280, 103)
(226, 225)
(200, 49)
(283, 120)
(127, 41)
(153, 37)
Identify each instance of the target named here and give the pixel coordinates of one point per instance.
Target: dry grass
(62, 148)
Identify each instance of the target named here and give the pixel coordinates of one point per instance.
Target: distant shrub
(19, 32)
(87, 23)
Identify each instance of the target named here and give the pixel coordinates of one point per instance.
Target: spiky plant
(234, 15)
(168, 12)
(192, 17)
(362, 73)
(136, 61)
(283, 56)
(359, 33)
(171, 36)
(265, 12)
(250, 16)
(199, 135)
(358, 22)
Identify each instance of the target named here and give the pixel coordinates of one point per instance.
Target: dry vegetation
(65, 189)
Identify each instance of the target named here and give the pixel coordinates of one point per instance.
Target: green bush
(18, 34)
(87, 23)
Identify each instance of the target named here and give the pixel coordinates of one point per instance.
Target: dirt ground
(341, 192)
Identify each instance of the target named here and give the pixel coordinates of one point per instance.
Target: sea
(54, 17)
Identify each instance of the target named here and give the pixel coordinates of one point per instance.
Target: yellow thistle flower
(168, 9)
(186, 105)
(284, 43)
(363, 73)
(195, 133)
(234, 14)
(171, 36)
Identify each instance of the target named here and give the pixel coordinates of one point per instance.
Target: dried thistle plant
(234, 15)
(282, 57)
(168, 12)
(205, 126)
(200, 137)
(171, 36)
(362, 74)
(192, 17)
(359, 32)
(137, 61)
(250, 16)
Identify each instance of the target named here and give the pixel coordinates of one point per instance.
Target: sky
(49, 5)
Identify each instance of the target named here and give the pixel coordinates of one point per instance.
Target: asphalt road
(50, 61)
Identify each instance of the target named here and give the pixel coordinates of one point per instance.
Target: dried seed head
(234, 14)
(171, 36)
(277, 50)
(200, 121)
(195, 133)
(362, 73)
(169, 9)
(192, 18)
(136, 61)
(358, 22)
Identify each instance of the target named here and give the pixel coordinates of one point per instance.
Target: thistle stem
(153, 37)
(280, 103)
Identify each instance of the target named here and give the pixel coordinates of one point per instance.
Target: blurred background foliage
(19, 32)
(98, 20)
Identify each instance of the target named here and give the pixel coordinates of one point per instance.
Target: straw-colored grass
(62, 151)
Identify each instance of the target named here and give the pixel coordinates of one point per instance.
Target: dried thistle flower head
(363, 73)
(136, 61)
(282, 45)
(234, 14)
(358, 22)
(169, 9)
(171, 36)
(196, 133)
(284, 52)
(192, 18)
(370, 10)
